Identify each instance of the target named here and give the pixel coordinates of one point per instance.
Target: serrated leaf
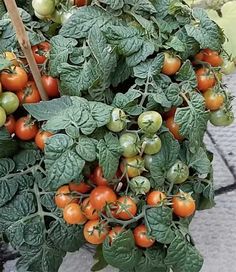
(4, 63)
(6, 167)
(26, 158)
(140, 6)
(8, 188)
(121, 73)
(114, 4)
(86, 149)
(187, 73)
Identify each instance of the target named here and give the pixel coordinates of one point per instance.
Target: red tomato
(97, 177)
(81, 187)
(10, 124)
(40, 52)
(80, 3)
(127, 208)
(26, 129)
(114, 233)
(41, 137)
(102, 195)
(174, 128)
(63, 197)
(72, 214)
(183, 204)
(50, 85)
(199, 56)
(29, 94)
(212, 57)
(155, 197)
(205, 79)
(15, 80)
(89, 210)
(95, 232)
(141, 238)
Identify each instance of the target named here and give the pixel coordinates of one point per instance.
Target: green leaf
(8, 189)
(4, 63)
(114, 4)
(121, 73)
(6, 167)
(187, 73)
(176, 44)
(8, 146)
(26, 158)
(163, 160)
(86, 148)
(162, 7)
(109, 155)
(59, 53)
(83, 20)
(122, 248)
(140, 6)
(159, 222)
(101, 263)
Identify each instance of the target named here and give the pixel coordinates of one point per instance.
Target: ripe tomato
(50, 85)
(9, 102)
(152, 144)
(72, 214)
(205, 79)
(80, 3)
(213, 100)
(11, 57)
(171, 64)
(44, 7)
(29, 94)
(170, 113)
(102, 195)
(126, 208)
(178, 173)
(40, 52)
(140, 185)
(132, 166)
(10, 124)
(118, 120)
(141, 237)
(174, 128)
(41, 137)
(3, 117)
(155, 197)
(212, 57)
(183, 204)
(150, 122)
(114, 233)
(81, 187)
(89, 210)
(63, 197)
(15, 80)
(97, 177)
(129, 144)
(95, 232)
(199, 56)
(25, 129)
(221, 117)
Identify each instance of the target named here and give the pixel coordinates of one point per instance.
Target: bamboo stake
(25, 44)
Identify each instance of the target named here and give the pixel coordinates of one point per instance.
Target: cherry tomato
(0, 88)
(81, 187)
(95, 232)
(212, 57)
(63, 197)
(43, 7)
(140, 185)
(118, 120)
(141, 237)
(9, 102)
(221, 117)
(80, 3)
(174, 128)
(213, 100)
(199, 56)
(11, 57)
(98, 178)
(155, 197)
(150, 122)
(41, 137)
(178, 173)
(30, 94)
(171, 64)
(25, 129)
(102, 195)
(114, 233)
(148, 161)
(72, 214)
(89, 210)
(40, 52)
(205, 79)
(10, 124)
(15, 80)
(126, 208)
(132, 166)
(228, 67)
(50, 85)
(3, 117)
(129, 144)
(152, 145)
(183, 204)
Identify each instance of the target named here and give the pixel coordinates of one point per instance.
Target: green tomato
(118, 120)
(150, 122)
(44, 18)
(178, 173)
(9, 101)
(228, 67)
(151, 145)
(148, 161)
(221, 117)
(56, 16)
(3, 117)
(128, 142)
(65, 16)
(44, 7)
(140, 185)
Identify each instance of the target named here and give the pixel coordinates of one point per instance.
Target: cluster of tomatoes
(18, 88)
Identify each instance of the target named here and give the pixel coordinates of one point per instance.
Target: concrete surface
(214, 231)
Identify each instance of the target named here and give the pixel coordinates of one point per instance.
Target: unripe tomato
(183, 205)
(101, 196)
(9, 102)
(152, 145)
(3, 117)
(44, 7)
(88, 210)
(140, 185)
(148, 161)
(118, 120)
(41, 138)
(10, 124)
(150, 122)
(129, 143)
(228, 67)
(221, 117)
(155, 197)
(141, 237)
(213, 100)
(126, 208)
(63, 197)
(25, 129)
(171, 64)
(132, 166)
(95, 232)
(72, 214)
(178, 173)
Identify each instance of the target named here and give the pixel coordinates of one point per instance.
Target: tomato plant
(26, 129)
(98, 178)
(118, 120)
(43, 7)
(114, 232)
(212, 57)
(140, 185)
(129, 143)
(183, 204)
(81, 187)
(222, 117)
(29, 94)
(151, 145)
(133, 167)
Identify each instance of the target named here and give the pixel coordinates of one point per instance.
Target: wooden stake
(25, 44)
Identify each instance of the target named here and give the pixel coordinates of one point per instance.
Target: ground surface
(214, 231)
